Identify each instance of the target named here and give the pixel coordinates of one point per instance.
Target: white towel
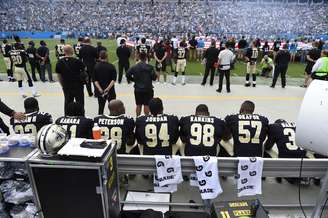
(249, 176)
(168, 170)
(208, 177)
(165, 188)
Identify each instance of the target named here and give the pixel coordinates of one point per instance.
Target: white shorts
(7, 62)
(20, 73)
(181, 65)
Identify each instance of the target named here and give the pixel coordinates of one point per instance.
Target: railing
(283, 167)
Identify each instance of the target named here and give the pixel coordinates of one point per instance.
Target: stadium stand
(100, 17)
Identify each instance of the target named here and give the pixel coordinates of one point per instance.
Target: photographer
(105, 76)
(267, 66)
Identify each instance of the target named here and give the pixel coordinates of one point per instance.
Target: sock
(175, 79)
(254, 78)
(183, 79)
(247, 77)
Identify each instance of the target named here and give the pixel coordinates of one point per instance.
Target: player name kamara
(157, 119)
(111, 121)
(248, 117)
(202, 119)
(69, 121)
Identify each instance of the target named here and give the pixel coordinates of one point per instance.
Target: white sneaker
(35, 95)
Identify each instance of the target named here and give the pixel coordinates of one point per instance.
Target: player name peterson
(111, 122)
(202, 119)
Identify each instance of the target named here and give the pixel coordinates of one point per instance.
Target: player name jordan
(157, 119)
(202, 119)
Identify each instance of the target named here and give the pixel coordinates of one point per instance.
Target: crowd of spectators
(162, 17)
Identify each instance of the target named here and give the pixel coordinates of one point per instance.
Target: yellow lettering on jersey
(242, 212)
(238, 204)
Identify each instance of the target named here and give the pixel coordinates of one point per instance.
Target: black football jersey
(283, 134)
(5, 49)
(32, 124)
(77, 47)
(76, 126)
(201, 134)
(252, 54)
(18, 58)
(120, 129)
(157, 133)
(143, 48)
(59, 50)
(248, 132)
(181, 53)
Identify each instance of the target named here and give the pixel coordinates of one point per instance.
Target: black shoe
(90, 94)
(228, 91)
(247, 84)
(218, 90)
(202, 84)
(279, 180)
(283, 87)
(254, 85)
(35, 80)
(272, 86)
(52, 81)
(211, 84)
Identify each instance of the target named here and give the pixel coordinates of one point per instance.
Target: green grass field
(193, 68)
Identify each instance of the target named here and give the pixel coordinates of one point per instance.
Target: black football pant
(4, 128)
(35, 66)
(90, 79)
(102, 102)
(122, 66)
(226, 74)
(209, 68)
(73, 94)
(43, 69)
(279, 70)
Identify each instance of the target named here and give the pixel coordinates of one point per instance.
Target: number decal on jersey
(151, 135)
(60, 49)
(255, 54)
(202, 134)
(245, 134)
(291, 145)
(181, 53)
(71, 131)
(17, 59)
(116, 136)
(143, 49)
(28, 129)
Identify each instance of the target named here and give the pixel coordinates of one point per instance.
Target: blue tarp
(33, 35)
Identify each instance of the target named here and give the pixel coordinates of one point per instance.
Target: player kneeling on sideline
(117, 126)
(251, 58)
(158, 132)
(201, 133)
(19, 58)
(267, 66)
(181, 60)
(282, 134)
(248, 131)
(34, 120)
(75, 123)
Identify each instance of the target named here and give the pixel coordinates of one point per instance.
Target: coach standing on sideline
(35, 65)
(142, 74)
(70, 71)
(211, 58)
(88, 55)
(45, 65)
(226, 58)
(105, 76)
(123, 54)
(281, 65)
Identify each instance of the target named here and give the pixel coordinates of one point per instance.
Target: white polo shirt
(226, 57)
